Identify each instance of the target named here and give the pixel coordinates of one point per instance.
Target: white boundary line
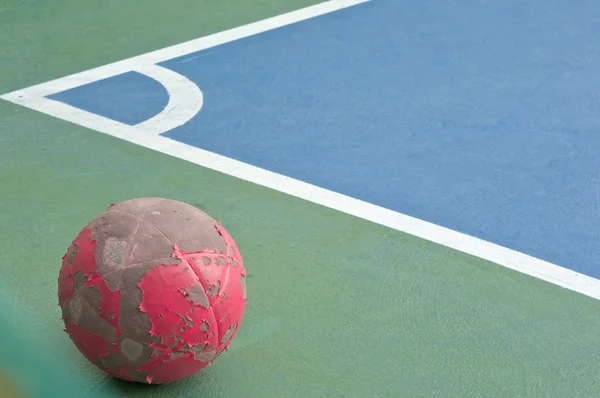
(185, 101)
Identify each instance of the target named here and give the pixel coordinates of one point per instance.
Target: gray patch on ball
(175, 355)
(207, 356)
(79, 279)
(188, 321)
(191, 228)
(71, 255)
(132, 321)
(197, 296)
(132, 350)
(214, 289)
(148, 244)
(133, 353)
(227, 336)
(77, 310)
(197, 349)
(113, 279)
(92, 295)
(137, 206)
(204, 327)
(114, 250)
(109, 362)
(112, 231)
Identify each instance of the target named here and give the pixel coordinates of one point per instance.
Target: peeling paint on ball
(152, 290)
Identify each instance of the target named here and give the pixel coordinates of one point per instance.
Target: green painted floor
(338, 307)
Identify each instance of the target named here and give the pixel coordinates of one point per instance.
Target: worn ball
(152, 290)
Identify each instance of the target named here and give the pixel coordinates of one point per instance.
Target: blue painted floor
(481, 116)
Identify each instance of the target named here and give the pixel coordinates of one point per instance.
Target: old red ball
(152, 290)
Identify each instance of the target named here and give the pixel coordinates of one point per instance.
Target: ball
(152, 290)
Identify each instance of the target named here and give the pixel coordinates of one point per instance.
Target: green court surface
(338, 306)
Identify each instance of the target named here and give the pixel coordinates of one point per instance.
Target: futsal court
(414, 185)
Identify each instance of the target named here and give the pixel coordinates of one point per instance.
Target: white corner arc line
(146, 135)
(185, 100)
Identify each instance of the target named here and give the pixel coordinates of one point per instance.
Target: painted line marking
(181, 109)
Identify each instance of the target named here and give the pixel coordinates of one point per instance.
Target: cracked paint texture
(152, 290)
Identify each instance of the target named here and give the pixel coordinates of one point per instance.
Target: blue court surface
(479, 116)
